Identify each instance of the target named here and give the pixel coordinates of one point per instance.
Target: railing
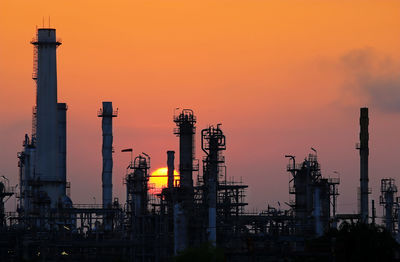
(176, 130)
(100, 113)
(9, 190)
(291, 167)
(92, 206)
(334, 191)
(195, 165)
(185, 115)
(312, 158)
(34, 121)
(11, 214)
(334, 180)
(35, 63)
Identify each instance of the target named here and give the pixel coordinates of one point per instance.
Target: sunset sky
(280, 75)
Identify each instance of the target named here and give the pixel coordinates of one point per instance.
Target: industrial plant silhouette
(199, 217)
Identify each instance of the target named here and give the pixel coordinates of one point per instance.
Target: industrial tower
(364, 153)
(183, 208)
(107, 114)
(44, 156)
(212, 143)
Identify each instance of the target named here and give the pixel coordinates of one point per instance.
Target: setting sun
(158, 179)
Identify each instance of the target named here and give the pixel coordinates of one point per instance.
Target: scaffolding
(313, 197)
(390, 202)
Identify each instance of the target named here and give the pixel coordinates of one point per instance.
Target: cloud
(374, 77)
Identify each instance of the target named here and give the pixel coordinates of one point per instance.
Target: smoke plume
(374, 77)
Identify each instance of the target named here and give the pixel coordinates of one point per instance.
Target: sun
(159, 179)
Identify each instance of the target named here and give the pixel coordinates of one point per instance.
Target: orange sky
(279, 76)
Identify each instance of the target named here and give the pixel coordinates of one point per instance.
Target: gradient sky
(281, 76)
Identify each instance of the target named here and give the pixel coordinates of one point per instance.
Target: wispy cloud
(374, 77)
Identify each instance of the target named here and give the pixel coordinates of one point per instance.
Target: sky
(281, 76)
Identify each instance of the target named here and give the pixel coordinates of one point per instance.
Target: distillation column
(47, 144)
(107, 115)
(212, 143)
(183, 208)
(186, 130)
(389, 201)
(140, 184)
(364, 152)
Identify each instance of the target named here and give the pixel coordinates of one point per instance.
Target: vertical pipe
(171, 168)
(317, 212)
(21, 168)
(373, 211)
(27, 176)
(364, 153)
(398, 224)
(138, 178)
(62, 143)
(2, 211)
(212, 187)
(334, 223)
(389, 209)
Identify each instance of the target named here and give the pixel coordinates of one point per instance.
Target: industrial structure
(196, 208)
(315, 197)
(391, 205)
(364, 154)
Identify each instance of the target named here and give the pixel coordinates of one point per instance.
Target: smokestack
(364, 152)
(171, 168)
(47, 147)
(107, 114)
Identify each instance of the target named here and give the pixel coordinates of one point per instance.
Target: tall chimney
(171, 168)
(47, 146)
(107, 114)
(364, 152)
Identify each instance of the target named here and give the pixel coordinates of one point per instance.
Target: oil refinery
(200, 206)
